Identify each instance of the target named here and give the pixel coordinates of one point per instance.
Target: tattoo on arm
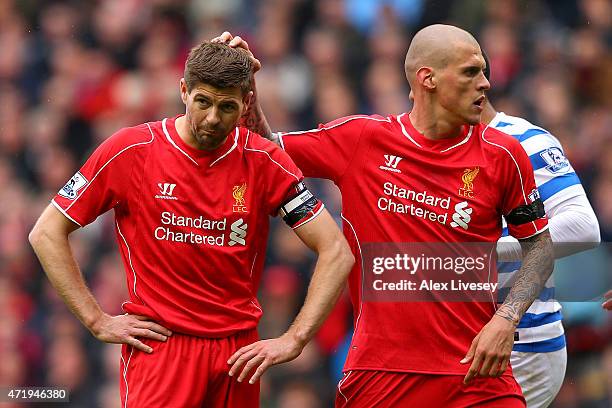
(534, 272)
(255, 120)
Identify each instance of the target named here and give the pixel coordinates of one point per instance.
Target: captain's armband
(301, 208)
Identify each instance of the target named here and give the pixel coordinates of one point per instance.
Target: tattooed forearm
(536, 269)
(254, 118)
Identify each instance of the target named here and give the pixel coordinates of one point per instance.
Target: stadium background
(72, 73)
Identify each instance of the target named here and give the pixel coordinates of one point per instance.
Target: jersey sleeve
(282, 176)
(522, 205)
(325, 152)
(554, 175)
(103, 181)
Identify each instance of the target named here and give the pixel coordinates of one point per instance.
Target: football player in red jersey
(192, 197)
(428, 353)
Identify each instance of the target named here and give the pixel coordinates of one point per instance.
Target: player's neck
(183, 131)
(433, 125)
(488, 113)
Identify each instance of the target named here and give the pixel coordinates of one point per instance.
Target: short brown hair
(218, 65)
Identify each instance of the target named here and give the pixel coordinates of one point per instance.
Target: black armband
(526, 213)
(301, 207)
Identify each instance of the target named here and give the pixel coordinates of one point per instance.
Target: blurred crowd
(74, 72)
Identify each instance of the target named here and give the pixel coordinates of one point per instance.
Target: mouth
(207, 133)
(479, 103)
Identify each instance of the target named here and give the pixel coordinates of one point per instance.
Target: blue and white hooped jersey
(540, 330)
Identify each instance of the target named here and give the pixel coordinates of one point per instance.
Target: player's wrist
(508, 316)
(95, 322)
(299, 337)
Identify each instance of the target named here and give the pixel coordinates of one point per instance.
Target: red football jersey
(192, 225)
(398, 186)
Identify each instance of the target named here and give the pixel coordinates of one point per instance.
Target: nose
(483, 84)
(212, 117)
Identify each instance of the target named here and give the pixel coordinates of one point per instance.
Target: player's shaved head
(434, 46)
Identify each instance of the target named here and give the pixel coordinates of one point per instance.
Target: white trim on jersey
(362, 272)
(105, 164)
(253, 265)
(301, 132)
(230, 149)
(465, 140)
(518, 169)
(125, 370)
(271, 159)
(257, 307)
(280, 140)
(405, 132)
(129, 259)
(174, 144)
(315, 215)
(537, 231)
(56, 205)
(341, 382)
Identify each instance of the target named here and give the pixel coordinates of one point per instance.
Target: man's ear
(184, 91)
(247, 100)
(425, 78)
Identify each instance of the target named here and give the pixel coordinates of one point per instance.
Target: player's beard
(208, 139)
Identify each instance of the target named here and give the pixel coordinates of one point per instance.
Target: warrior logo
(166, 191)
(391, 163)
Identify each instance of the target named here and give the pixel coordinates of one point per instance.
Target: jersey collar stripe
(174, 144)
(246, 139)
(362, 272)
(405, 132)
(465, 140)
(230, 149)
(518, 169)
(280, 141)
(106, 164)
(461, 142)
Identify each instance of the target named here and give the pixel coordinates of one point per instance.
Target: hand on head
(237, 42)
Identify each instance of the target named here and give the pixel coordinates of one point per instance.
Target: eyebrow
(205, 96)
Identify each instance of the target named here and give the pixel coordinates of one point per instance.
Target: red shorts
(392, 389)
(186, 371)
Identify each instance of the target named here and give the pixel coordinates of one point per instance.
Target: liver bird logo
(468, 178)
(238, 193)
